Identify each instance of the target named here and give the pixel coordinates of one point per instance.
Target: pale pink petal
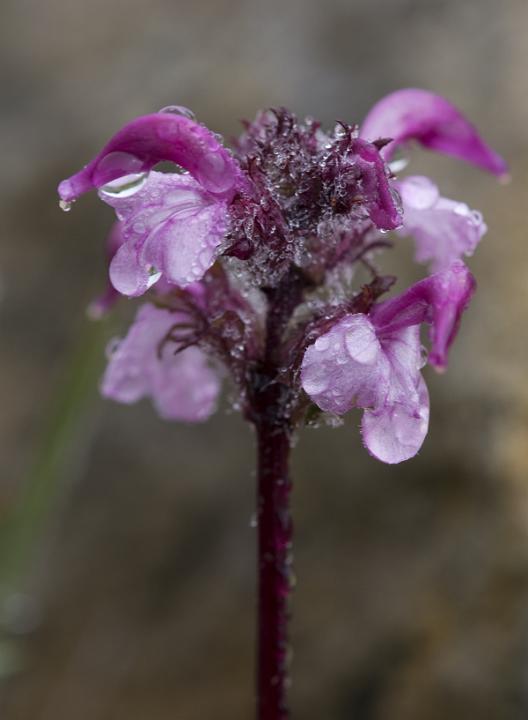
(394, 433)
(413, 114)
(172, 230)
(444, 230)
(345, 367)
(181, 386)
(352, 365)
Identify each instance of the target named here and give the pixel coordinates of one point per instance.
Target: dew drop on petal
(178, 110)
(65, 205)
(154, 276)
(116, 165)
(125, 186)
(315, 385)
(322, 343)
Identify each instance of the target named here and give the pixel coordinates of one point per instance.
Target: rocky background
(126, 554)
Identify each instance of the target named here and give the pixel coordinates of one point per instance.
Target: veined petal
(353, 365)
(345, 367)
(149, 139)
(181, 386)
(413, 114)
(438, 300)
(172, 229)
(396, 432)
(444, 230)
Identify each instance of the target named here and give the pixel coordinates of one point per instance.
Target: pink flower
(181, 385)
(171, 224)
(434, 122)
(444, 230)
(252, 253)
(373, 361)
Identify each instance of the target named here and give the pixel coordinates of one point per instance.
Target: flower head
(251, 257)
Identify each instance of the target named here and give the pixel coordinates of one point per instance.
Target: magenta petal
(181, 386)
(381, 201)
(439, 300)
(147, 140)
(434, 122)
(444, 230)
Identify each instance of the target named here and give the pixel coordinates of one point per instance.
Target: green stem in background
(64, 436)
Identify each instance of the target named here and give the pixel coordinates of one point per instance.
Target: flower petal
(102, 304)
(353, 365)
(149, 139)
(413, 114)
(444, 230)
(381, 202)
(439, 300)
(345, 367)
(181, 386)
(172, 229)
(395, 433)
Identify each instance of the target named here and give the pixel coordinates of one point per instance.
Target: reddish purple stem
(274, 570)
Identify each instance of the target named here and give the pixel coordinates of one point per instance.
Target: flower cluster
(250, 259)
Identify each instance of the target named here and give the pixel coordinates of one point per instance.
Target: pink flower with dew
(181, 385)
(373, 361)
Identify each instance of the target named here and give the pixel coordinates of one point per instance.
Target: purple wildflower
(181, 385)
(250, 258)
(444, 230)
(373, 361)
(435, 123)
(256, 248)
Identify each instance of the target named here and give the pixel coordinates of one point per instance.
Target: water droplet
(125, 186)
(65, 205)
(315, 385)
(339, 131)
(322, 343)
(178, 110)
(154, 276)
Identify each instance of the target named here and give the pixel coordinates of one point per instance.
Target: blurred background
(127, 552)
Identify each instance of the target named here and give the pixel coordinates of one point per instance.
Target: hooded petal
(382, 205)
(181, 386)
(149, 139)
(171, 228)
(444, 230)
(438, 300)
(434, 122)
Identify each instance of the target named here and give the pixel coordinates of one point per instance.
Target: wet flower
(373, 361)
(251, 256)
(181, 385)
(444, 230)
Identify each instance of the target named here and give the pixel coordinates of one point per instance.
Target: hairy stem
(274, 569)
(270, 410)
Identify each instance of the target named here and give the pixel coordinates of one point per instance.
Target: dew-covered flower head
(259, 262)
